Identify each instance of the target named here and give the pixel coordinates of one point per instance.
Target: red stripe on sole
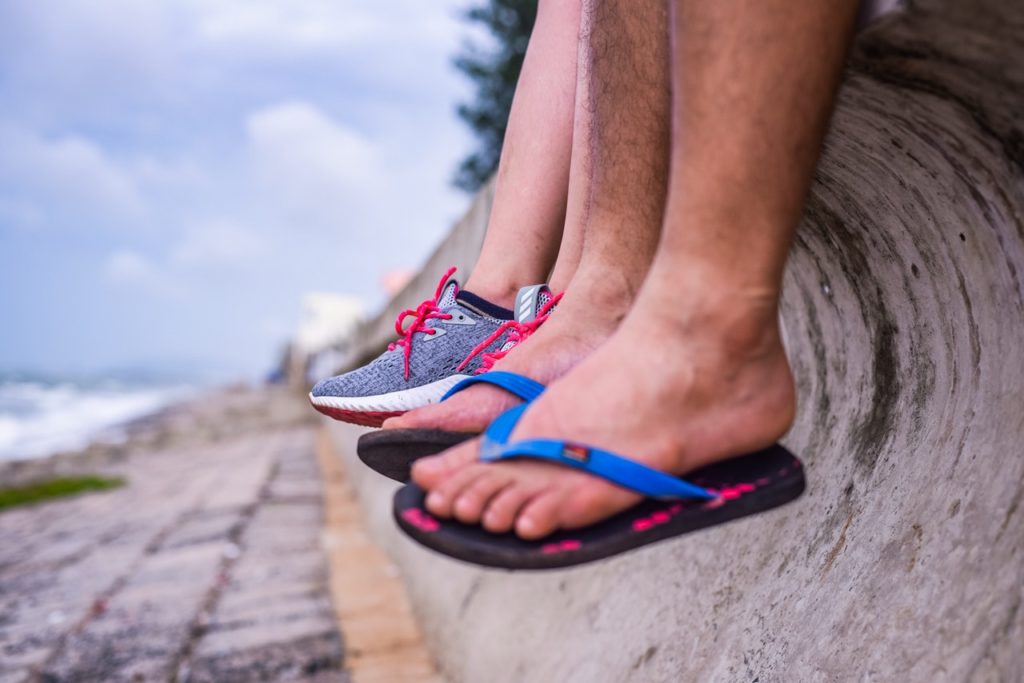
(363, 418)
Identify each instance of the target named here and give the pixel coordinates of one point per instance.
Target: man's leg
(616, 197)
(525, 225)
(697, 372)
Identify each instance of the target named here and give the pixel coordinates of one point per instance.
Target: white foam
(37, 419)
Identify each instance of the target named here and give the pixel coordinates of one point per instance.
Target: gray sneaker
(450, 337)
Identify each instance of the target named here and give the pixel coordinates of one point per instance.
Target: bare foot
(674, 393)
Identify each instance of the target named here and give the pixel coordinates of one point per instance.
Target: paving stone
(267, 568)
(297, 489)
(311, 654)
(328, 677)
(27, 653)
(274, 611)
(205, 566)
(206, 526)
(251, 596)
(111, 662)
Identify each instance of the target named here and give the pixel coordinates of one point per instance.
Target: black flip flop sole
(392, 452)
(747, 485)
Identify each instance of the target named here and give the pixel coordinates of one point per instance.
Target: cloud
(295, 26)
(129, 268)
(206, 162)
(309, 161)
(298, 28)
(220, 244)
(64, 176)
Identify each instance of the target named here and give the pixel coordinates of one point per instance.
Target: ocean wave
(40, 418)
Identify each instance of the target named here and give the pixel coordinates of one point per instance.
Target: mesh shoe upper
(534, 304)
(432, 356)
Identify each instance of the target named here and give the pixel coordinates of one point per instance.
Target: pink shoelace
(421, 314)
(517, 332)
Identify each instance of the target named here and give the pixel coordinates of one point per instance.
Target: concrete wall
(904, 313)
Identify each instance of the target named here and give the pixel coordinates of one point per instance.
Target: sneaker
(449, 338)
(534, 305)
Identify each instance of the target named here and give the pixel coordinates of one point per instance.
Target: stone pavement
(206, 566)
(383, 642)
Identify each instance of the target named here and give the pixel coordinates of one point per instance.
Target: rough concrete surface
(206, 566)
(383, 643)
(904, 314)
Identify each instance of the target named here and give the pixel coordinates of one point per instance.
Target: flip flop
(712, 495)
(392, 452)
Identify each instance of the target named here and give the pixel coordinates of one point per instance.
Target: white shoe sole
(394, 402)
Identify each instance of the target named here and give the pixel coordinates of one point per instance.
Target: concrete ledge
(904, 312)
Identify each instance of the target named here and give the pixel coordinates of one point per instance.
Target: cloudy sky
(174, 175)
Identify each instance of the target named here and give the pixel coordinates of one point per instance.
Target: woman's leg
(525, 226)
(619, 174)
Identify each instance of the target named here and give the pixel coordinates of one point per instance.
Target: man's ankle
(599, 300)
(740, 322)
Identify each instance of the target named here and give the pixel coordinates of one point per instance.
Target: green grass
(55, 488)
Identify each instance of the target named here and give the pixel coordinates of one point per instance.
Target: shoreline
(194, 418)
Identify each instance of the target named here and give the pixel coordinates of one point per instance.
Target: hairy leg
(617, 194)
(697, 372)
(623, 141)
(571, 249)
(525, 225)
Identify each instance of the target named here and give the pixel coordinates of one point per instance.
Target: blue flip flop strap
(615, 468)
(519, 385)
(497, 433)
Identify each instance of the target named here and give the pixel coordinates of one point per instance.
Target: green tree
(494, 72)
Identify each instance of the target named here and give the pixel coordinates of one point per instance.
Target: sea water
(44, 415)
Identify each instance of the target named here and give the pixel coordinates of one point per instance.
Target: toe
(539, 517)
(431, 471)
(592, 500)
(441, 499)
(470, 504)
(504, 507)
(419, 418)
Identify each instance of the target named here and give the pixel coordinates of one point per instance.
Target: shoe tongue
(530, 300)
(448, 293)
